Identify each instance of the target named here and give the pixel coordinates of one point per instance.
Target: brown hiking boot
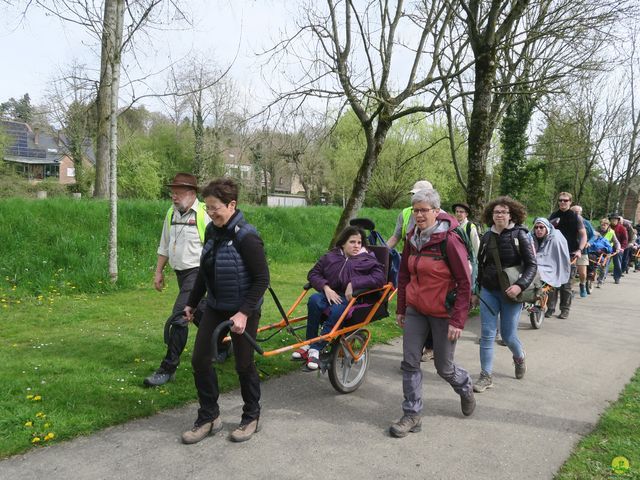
(245, 431)
(199, 432)
(521, 367)
(484, 381)
(408, 423)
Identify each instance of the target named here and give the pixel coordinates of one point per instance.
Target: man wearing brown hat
(180, 246)
(462, 211)
(405, 224)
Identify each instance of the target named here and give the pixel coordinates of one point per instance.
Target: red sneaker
(300, 354)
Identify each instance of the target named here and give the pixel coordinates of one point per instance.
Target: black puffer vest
(225, 273)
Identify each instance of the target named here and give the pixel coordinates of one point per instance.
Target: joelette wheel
(536, 317)
(345, 373)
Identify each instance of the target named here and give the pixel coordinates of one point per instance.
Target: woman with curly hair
(508, 239)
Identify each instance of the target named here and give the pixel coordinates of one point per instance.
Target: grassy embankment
(74, 349)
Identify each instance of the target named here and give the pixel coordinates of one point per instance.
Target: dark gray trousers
(177, 328)
(565, 292)
(416, 329)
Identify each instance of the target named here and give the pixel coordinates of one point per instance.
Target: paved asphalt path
(521, 429)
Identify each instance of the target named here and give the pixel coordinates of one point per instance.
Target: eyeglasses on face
(501, 212)
(215, 209)
(422, 211)
(563, 200)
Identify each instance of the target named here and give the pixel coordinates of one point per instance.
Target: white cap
(421, 185)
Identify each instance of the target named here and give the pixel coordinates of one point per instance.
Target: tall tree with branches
(350, 51)
(115, 23)
(523, 47)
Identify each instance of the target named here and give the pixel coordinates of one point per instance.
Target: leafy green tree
(562, 150)
(77, 131)
(172, 146)
(414, 151)
(514, 139)
(138, 168)
(20, 110)
(138, 172)
(344, 151)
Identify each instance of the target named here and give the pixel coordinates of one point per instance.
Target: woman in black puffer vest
(234, 273)
(504, 216)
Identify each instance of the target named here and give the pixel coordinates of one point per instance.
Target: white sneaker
(313, 359)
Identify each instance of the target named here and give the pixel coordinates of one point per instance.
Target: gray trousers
(416, 329)
(565, 292)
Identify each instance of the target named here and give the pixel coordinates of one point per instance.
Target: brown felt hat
(461, 205)
(184, 180)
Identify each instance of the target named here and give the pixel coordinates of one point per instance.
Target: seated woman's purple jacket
(336, 270)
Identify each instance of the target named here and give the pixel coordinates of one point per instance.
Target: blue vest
(225, 273)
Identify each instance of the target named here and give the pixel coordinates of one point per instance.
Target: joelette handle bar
(227, 324)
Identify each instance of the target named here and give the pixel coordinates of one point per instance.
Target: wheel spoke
(346, 368)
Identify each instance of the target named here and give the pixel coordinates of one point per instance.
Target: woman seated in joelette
(346, 268)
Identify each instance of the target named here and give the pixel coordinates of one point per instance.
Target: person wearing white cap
(404, 226)
(405, 221)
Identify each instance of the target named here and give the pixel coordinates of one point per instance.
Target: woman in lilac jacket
(346, 268)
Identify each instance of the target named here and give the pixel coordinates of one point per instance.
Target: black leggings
(204, 373)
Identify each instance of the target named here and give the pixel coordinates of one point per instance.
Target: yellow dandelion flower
(29, 424)
(47, 425)
(37, 398)
(49, 436)
(40, 415)
(35, 440)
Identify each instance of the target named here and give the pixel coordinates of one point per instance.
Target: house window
(71, 172)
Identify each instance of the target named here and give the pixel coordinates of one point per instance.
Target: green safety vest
(406, 216)
(609, 236)
(200, 222)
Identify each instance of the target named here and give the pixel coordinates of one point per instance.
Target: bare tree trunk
(113, 27)
(632, 157)
(480, 130)
(198, 133)
(103, 102)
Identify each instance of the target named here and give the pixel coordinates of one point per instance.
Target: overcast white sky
(35, 49)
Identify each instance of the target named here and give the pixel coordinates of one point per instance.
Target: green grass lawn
(616, 435)
(72, 365)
